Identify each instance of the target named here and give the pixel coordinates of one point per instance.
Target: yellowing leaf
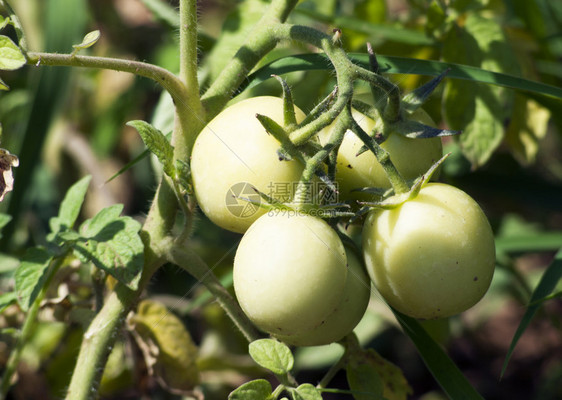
(364, 363)
(168, 349)
(527, 127)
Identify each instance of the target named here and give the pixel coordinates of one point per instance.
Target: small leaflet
(89, 40)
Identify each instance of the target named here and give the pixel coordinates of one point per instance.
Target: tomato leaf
(306, 392)
(365, 382)
(168, 349)
(527, 127)
(70, 206)
(272, 355)
(157, 143)
(31, 275)
(11, 57)
(89, 40)
(112, 243)
(478, 110)
(7, 299)
(548, 282)
(258, 389)
(370, 376)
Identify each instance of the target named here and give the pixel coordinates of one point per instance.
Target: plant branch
(261, 40)
(185, 258)
(162, 76)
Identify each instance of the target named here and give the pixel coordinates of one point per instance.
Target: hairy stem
(192, 263)
(190, 116)
(165, 78)
(261, 40)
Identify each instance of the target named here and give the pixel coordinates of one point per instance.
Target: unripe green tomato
(411, 157)
(433, 256)
(289, 272)
(234, 149)
(349, 312)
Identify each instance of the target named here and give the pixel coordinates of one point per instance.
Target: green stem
(103, 330)
(27, 329)
(261, 40)
(190, 115)
(185, 258)
(165, 78)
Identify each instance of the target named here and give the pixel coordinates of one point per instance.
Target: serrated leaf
(112, 243)
(157, 143)
(70, 206)
(167, 346)
(363, 363)
(89, 40)
(30, 275)
(273, 355)
(11, 57)
(258, 389)
(306, 392)
(7, 299)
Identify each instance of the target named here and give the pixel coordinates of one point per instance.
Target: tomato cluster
(431, 256)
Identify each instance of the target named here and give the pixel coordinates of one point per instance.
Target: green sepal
(413, 100)
(289, 116)
(416, 130)
(320, 108)
(279, 133)
(399, 199)
(157, 143)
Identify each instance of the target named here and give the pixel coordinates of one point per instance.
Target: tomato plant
(190, 272)
(434, 255)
